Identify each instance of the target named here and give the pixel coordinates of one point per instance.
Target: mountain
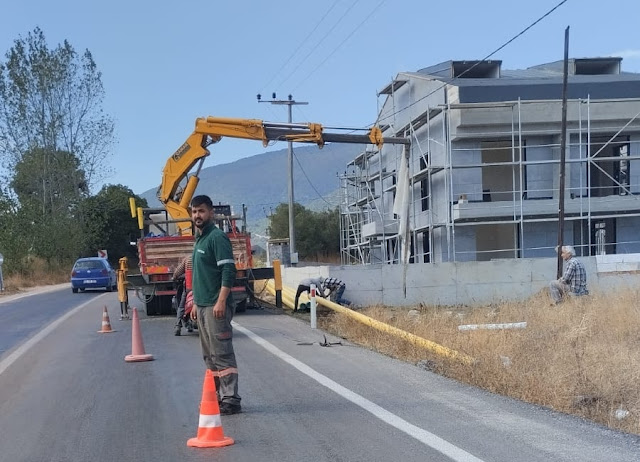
(261, 181)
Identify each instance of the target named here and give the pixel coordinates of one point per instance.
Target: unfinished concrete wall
(469, 283)
(627, 235)
(467, 181)
(634, 165)
(538, 176)
(576, 179)
(539, 239)
(439, 245)
(465, 241)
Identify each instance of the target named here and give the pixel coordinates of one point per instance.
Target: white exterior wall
(469, 283)
(410, 96)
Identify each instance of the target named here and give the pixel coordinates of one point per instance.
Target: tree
(317, 233)
(329, 230)
(108, 223)
(279, 220)
(50, 182)
(49, 186)
(51, 99)
(9, 247)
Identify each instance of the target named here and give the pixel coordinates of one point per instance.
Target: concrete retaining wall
(462, 283)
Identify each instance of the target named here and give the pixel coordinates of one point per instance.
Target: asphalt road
(66, 394)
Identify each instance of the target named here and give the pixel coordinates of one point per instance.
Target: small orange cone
(137, 348)
(106, 323)
(210, 433)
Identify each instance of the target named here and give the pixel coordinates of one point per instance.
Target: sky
(165, 63)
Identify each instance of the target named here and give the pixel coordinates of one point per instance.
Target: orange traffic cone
(106, 323)
(137, 348)
(210, 433)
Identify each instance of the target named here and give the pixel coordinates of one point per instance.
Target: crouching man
(574, 279)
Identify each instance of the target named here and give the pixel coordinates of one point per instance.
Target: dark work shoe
(229, 409)
(178, 331)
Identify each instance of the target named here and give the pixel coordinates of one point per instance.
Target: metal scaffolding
(484, 183)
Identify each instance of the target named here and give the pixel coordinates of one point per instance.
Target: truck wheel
(160, 305)
(74, 290)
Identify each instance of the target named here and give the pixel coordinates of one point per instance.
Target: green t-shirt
(213, 266)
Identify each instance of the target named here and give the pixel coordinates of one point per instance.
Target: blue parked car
(92, 273)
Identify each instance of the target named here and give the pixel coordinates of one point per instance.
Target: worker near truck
(214, 273)
(305, 286)
(334, 288)
(182, 275)
(325, 287)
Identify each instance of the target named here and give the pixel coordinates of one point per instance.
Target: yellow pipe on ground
(382, 327)
(287, 299)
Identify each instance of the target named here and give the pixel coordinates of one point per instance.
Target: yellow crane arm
(210, 130)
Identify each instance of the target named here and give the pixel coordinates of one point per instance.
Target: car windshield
(89, 264)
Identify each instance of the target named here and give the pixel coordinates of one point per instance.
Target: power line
(300, 46)
(344, 15)
(373, 10)
(311, 184)
(444, 84)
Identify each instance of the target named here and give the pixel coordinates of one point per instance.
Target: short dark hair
(203, 199)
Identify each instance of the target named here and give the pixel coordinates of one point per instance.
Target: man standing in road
(214, 272)
(574, 279)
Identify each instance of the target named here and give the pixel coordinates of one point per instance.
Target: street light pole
(293, 255)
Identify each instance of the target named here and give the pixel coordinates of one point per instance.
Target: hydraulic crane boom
(176, 197)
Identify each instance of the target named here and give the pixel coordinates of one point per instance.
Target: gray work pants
(180, 308)
(216, 340)
(557, 290)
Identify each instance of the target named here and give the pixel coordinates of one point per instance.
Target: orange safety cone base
(210, 433)
(106, 322)
(137, 348)
(138, 358)
(198, 443)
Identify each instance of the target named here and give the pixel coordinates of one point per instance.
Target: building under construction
(482, 173)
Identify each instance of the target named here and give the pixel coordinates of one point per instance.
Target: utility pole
(293, 255)
(563, 147)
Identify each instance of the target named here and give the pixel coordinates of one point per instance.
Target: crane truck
(159, 253)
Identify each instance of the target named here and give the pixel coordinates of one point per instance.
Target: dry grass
(581, 357)
(37, 273)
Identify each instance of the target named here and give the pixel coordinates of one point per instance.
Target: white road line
(425, 437)
(22, 349)
(11, 298)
